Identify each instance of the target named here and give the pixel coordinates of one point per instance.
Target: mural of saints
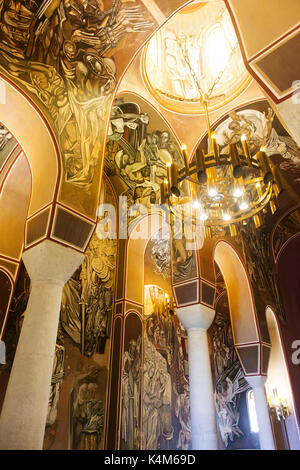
(87, 299)
(131, 385)
(166, 416)
(60, 52)
(230, 385)
(87, 411)
(138, 157)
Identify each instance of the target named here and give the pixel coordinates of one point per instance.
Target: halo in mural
(196, 52)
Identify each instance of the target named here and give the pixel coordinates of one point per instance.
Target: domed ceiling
(196, 52)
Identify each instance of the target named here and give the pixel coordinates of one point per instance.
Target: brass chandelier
(225, 190)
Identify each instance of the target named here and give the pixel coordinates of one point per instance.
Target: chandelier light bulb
(226, 216)
(212, 192)
(237, 192)
(244, 205)
(243, 138)
(196, 205)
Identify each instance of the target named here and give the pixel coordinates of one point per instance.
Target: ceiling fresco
(196, 52)
(67, 56)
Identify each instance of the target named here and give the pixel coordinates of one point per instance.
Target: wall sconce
(278, 407)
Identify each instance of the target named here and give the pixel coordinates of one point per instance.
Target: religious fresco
(138, 148)
(131, 411)
(166, 416)
(178, 60)
(15, 317)
(87, 298)
(61, 53)
(87, 410)
(184, 259)
(7, 142)
(77, 402)
(262, 128)
(56, 382)
(230, 385)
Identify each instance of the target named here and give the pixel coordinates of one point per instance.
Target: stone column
(24, 412)
(196, 320)
(266, 438)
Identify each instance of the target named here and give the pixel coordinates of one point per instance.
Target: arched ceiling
(185, 117)
(195, 52)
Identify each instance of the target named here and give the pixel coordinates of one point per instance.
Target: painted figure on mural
(87, 300)
(261, 128)
(5, 137)
(131, 382)
(56, 383)
(166, 420)
(182, 411)
(228, 377)
(87, 413)
(137, 156)
(157, 414)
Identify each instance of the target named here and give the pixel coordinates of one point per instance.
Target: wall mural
(184, 260)
(87, 411)
(62, 53)
(230, 386)
(262, 127)
(137, 152)
(166, 417)
(81, 366)
(131, 411)
(7, 142)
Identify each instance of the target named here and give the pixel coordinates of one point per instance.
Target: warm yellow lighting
(217, 50)
(212, 192)
(203, 216)
(233, 230)
(165, 181)
(183, 147)
(273, 206)
(168, 164)
(237, 192)
(226, 217)
(257, 220)
(243, 138)
(262, 148)
(213, 135)
(244, 205)
(166, 296)
(196, 205)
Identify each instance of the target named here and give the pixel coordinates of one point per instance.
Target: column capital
(51, 262)
(197, 316)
